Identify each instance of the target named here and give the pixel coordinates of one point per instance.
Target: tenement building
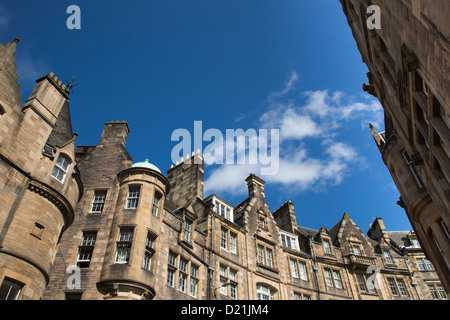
(86, 222)
(408, 59)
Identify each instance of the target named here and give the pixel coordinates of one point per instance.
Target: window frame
(300, 268)
(396, 289)
(86, 248)
(187, 230)
(263, 291)
(156, 202)
(95, 201)
(58, 167)
(327, 246)
(182, 274)
(228, 240)
(333, 278)
(132, 197)
(289, 241)
(124, 245)
(19, 286)
(149, 251)
(228, 275)
(266, 256)
(387, 257)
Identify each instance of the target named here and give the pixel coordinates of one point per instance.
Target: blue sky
(161, 65)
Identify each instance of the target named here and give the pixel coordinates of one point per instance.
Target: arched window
(60, 169)
(265, 292)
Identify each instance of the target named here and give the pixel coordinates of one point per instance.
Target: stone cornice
(55, 198)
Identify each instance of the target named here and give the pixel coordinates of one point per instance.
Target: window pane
(182, 282)
(433, 292)
(233, 291)
(337, 279)
(303, 274)
(170, 276)
(223, 238)
(387, 256)
(60, 168)
(421, 264)
(294, 269)
(10, 289)
(133, 197)
(328, 278)
(269, 258)
(126, 235)
(172, 259)
(194, 287)
(147, 260)
(194, 271)
(183, 265)
(155, 208)
(326, 245)
(393, 287)
(99, 201)
(361, 282)
(233, 275)
(429, 265)
(123, 253)
(441, 291)
(223, 271)
(260, 254)
(402, 287)
(233, 243)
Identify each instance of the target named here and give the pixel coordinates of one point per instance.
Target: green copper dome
(145, 164)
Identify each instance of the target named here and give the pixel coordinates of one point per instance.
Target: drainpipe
(210, 268)
(315, 270)
(411, 275)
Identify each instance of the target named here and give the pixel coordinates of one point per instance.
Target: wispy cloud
(5, 17)
(30, 68)
(312, 156)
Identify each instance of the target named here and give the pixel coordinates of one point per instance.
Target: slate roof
(62, 132)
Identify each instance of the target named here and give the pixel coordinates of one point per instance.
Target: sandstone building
(86, 222)
(409, 63)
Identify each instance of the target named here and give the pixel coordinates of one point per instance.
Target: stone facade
(108, 228)
(39, 182)
(409, 63)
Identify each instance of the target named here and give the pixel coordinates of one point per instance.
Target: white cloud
(312, 157)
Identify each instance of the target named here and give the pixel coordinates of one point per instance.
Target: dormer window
(356, 250)
(327, 246)
(415, 243)
(262, 222)
(222, 208)
(289, 241)
(387, 257)
(187, 230)
(60, 169)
